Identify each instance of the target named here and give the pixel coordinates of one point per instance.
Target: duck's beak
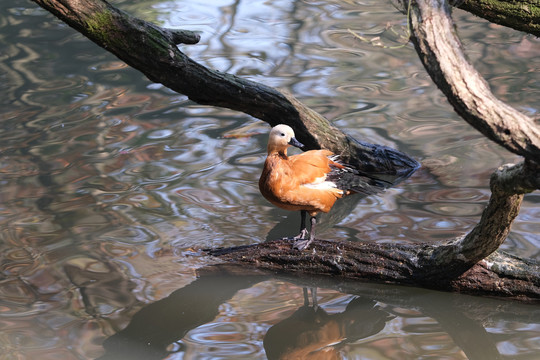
(296, 143)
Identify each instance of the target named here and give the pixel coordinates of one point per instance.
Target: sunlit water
(109, 184)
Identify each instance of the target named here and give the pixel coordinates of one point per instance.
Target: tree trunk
(467, 264)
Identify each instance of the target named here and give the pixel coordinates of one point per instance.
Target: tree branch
(153, 51)
(467, 264)
(442, 54)
(523, 15)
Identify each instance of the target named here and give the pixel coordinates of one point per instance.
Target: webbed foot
(302, 244)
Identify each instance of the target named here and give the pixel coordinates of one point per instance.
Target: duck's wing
(312, 167)
(350, 179)
(299, 182)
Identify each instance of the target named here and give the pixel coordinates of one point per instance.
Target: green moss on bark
(99, 26)
(521, 15)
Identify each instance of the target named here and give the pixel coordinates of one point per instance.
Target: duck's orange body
(298, 182)
(310, 182)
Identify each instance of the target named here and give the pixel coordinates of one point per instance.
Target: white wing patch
(321, 184)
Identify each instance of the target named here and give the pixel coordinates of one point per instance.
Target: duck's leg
(303, 229)
(313, 297)
(306, 296)
(303, 244)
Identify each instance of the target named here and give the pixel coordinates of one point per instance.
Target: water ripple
(108, 180)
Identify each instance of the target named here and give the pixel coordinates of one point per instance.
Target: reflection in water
(312, 333)
(357, 325)
(157, 326)
(109, 184)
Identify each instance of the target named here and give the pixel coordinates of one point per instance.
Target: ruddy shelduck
(310, 182)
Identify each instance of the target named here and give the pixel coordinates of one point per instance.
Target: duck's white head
(281, 137)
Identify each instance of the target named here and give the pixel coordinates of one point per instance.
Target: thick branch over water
(500, 274)
(153, 51)
(521, 15)
(456, 265)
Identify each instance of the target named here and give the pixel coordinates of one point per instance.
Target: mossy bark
(523, 15)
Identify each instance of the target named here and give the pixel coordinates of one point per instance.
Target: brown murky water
(109, 183)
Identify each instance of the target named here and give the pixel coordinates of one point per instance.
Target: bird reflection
(158, 329)
(312, 333)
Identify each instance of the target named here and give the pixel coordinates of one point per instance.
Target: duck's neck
(273, 150)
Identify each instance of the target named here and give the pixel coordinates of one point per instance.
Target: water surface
(110, 183)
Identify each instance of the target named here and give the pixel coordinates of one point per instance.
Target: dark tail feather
(349, 179)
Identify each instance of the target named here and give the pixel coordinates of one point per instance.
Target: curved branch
(441, 53)
(455, 257)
